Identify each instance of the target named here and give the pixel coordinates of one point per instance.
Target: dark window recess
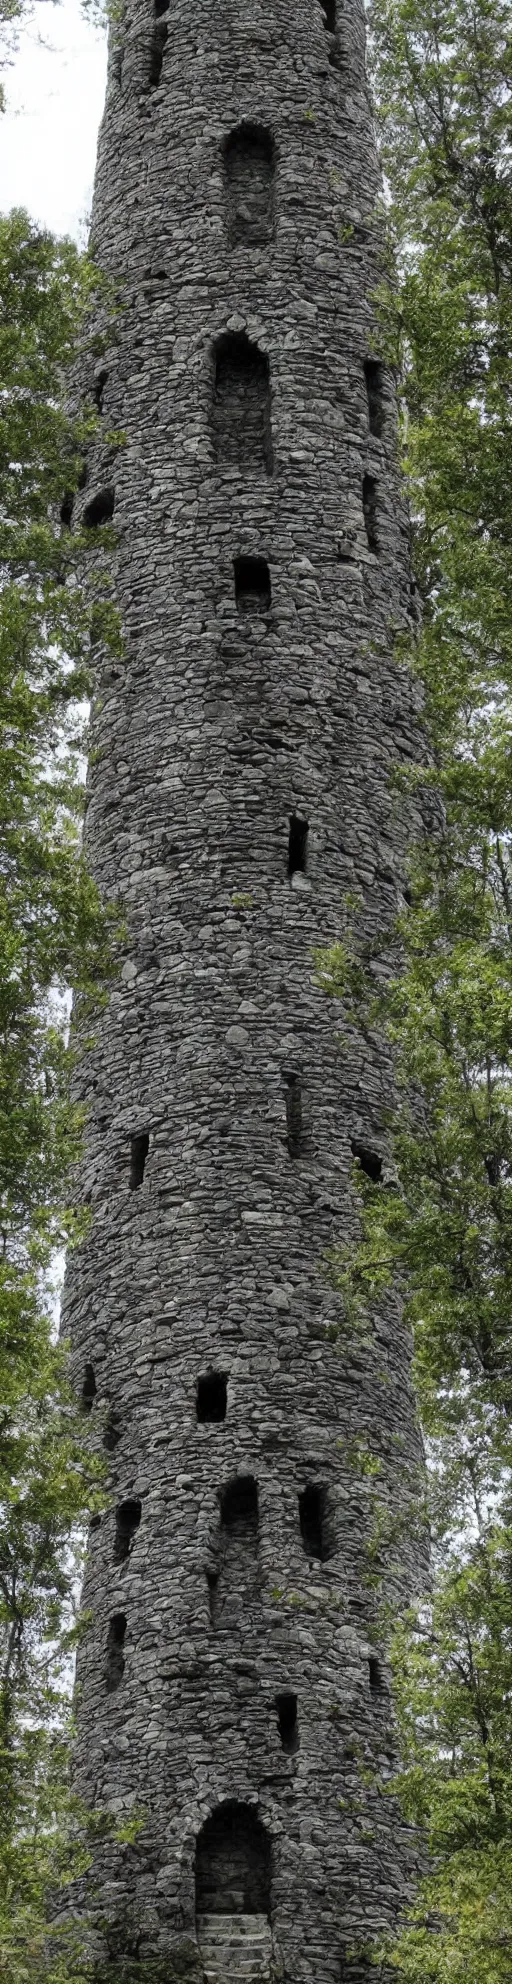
(369, 1160)
(252, 585)
(99, 389)
(139, 1147)
(297, 845)
(239, 1503)
(293, 1101)
(211, 1399)
(115, 1655)
(156, 53)
(88, 1393)
(233, 1863)
(100, 510)
(312, 1521)
(161, 7)
(241, 404)
(286, 1705)
(249, 166)
(112, 1433)
(376, 1675)
(212, 1580)
(66, 509)
(127, 1522)
(374, 375)
(370, 511)
(329, 14)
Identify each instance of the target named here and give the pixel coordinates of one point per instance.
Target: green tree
(53, 933)
(441, 80)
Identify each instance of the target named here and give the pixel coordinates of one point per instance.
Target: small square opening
(212, 1398)
(253, 592)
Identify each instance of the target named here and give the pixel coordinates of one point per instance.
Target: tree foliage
(53, 933)
(442, 85)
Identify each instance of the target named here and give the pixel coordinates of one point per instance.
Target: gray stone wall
(232, 1674)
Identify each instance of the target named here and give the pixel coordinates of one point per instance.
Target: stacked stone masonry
(232, 1686)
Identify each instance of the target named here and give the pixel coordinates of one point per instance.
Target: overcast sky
(54, 90)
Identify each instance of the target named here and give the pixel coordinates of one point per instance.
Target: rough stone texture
(222, 1105)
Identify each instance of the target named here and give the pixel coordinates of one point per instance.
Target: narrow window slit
(329, 14)
(312, 1524)
(127, 1522)
(112, 1433)
(100, 510)
(99, 388)
(212, 1580)
(66, 509)
(297, 846)
(156, 53)
(287, 1722)
(115, 1655)
(211, 1399)
(252, 585)
(139, 1147)
(370, 511)
(294, 1122)
(376, 1675)
(374, 374)
(368, 1159)
(88, 1393)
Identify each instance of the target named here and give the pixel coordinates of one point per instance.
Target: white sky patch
(54, 88)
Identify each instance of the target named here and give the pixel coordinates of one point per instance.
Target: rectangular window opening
(374, 374)
(294, 1125)
(115, 1655)
(297, 846)
(376, 1675)
(139, 1147)
(156, 54)
(88, 1392)
(370, 511)
(329, 14)
(211, 1398)
(286, 1705)
(252, 585)
(312, 1521)
(127, 1522)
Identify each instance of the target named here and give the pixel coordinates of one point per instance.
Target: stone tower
(233, 1689)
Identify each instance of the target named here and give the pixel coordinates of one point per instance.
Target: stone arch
(249, 163)
(233, 1863)
(241, 404)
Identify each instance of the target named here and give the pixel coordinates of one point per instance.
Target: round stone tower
(233, 1693)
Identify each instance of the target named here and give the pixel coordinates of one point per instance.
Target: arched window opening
(233, 1863)
(252, 585)
(127, 1522)
(241, 404)
(115, 1655)
(88, 1393)
(370, 511)
(374, 375)
(249, 155)
(368, 1159)
(287, 1721)
(100, 510)
(314, 1524)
